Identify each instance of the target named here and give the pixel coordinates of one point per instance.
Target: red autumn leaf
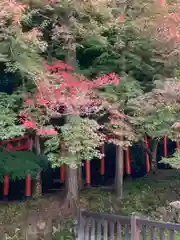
(121, 18)
(22, 114)
(50, 132)
(58, 65)
(28, 102)
(29, 124)
(65, 92)
(41, 101)
(162, 2)
(177, 124)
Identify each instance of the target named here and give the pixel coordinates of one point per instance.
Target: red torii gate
(12, 145)
(25, 144)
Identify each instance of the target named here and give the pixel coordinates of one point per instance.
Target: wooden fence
(102, 226)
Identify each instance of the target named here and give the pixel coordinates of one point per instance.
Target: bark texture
(72, 189)
(38, 183)
(119, 171)
(154, 155)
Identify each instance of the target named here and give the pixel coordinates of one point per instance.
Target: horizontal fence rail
(104, 226)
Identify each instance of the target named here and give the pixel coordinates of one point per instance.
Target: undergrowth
(143, 196)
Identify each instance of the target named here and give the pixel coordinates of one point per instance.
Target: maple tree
(62, 94)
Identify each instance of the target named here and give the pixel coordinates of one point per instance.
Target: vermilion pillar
(102, 167)
(88, 173)
(128, 162)
(6, 186)
(146, 155)
(165, 146)
(28, 186)
(62, 173)
(177, 145)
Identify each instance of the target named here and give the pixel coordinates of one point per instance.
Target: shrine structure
(25, 143)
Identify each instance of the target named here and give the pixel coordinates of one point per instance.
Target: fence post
(134, 228)
(81, 226)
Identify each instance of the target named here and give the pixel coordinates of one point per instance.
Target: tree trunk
(38, 183)
(71, 182)
(72, 190)
(154, 155)
(119, 171)
(80, 180)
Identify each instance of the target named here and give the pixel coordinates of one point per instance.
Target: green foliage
(103, 45)
(18, 164)
(81, 138)
(18, 54)
(64, 20)
(65, 230)
(173, 161)
(157, 112)
(8, 119)
(127, 89)
(154, 121)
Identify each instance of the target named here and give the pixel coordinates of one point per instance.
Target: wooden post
(62, 173)
(177, 145)
(134, 228)
(6, 186)
(28, 186)
(81, 226)
(88, 173)
(165, 146)
(128, 162)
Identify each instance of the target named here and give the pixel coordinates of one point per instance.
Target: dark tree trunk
(38, 183)
(71, 182)
(154, 155)
(72, 190)
(119, 171)
(80, 180)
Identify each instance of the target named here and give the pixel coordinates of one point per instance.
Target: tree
(20, 57)
(65, 93)
(155, 114)
(16, 164)
(121, 44)
(19, 49)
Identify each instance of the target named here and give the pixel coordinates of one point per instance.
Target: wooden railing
(103, 226)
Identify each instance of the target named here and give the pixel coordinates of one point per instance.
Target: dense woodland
(77, 74)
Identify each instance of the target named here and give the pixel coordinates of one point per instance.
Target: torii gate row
(25, 144)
